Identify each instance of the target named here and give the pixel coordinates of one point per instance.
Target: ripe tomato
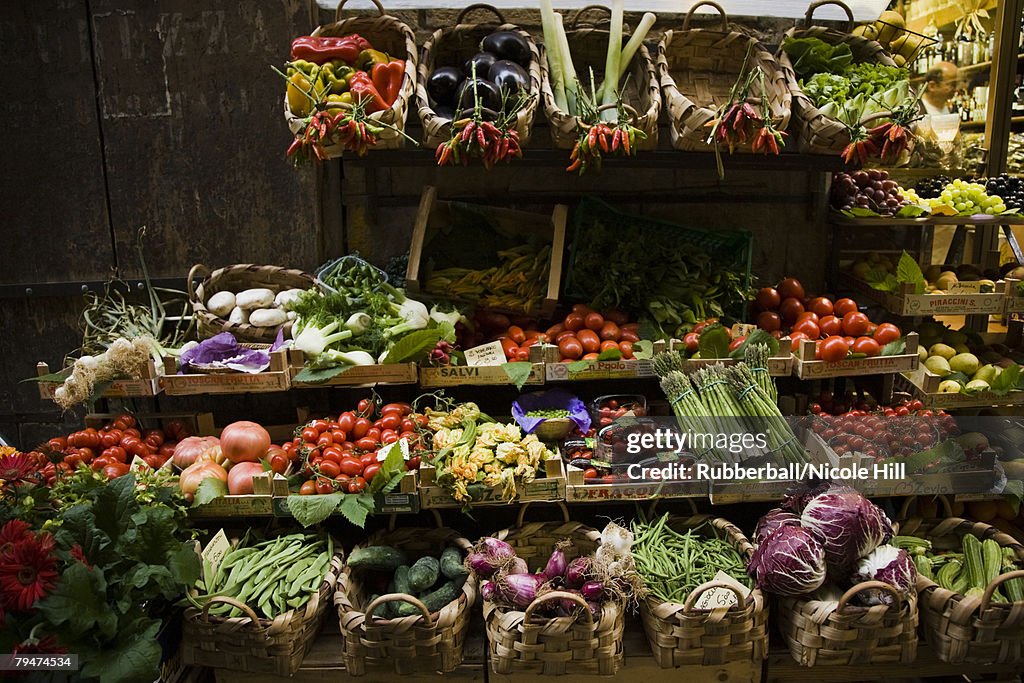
(390, 421)
(797, 337)
(626, 349)
(830, 325)
(571, 348)
(85, 455)
(833, 348)
(769, 321)
(808, 327)
(590, 473)
(868, 346)
(90, 438)
(115, 470)
(407, 426)
(111, 438)
(887, 333)
(319, 425)
(855, 324)
(329, 468)
(736, 343)
(412, 463)
(821, 306)
(308, 488)
(360, 428)
(366, 444)
(279, 463)
(99, 463)
(692, 341)
(791, 288)
(366, 407)
(374, 434)
(154, 437)
(351, 467)
(791, 309)
(844, 306)
(358, 484)
(371, 471)
(367, 459)
(388, 438)
(57, 443)
(310, 435)
(767, 299)
(324, 440)
(323, 486)
(346, 421)
(155, 462)
(849, 341)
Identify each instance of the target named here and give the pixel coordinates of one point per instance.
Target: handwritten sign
(720, 596)
(486, 354)
(214, 552)
(401, 444)
(742, 330)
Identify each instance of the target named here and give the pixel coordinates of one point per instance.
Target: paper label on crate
(138, 464)
(742, 330)
(962, 287)
(401, 444)
(486, 354)
(719, 596)
(215, 551)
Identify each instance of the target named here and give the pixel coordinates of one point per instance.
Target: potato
(221, 303)
(267, 317)
(287, 298)
(238, 316)
(252, 299)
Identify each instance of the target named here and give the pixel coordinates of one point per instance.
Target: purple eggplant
(443, 85)
(483, 61)
(510, 78)
(507, 45)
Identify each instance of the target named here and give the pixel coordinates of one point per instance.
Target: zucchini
(975, 566)
(383, 611)
(423, 574)
(434, 601)
(451, 563)
(381, 558)
(992, 556)
(912, 544)
(948, 574)
(924, 566)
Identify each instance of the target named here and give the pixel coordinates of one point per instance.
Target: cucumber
(423, 574)
(400, 582)
(381, 558)
(381, 610)
(433, 601)
(451, 563)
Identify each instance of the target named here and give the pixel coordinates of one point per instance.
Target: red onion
(487, 590)
(518, 566)
(556, 565)
(481, 565)
(593, 591)
(497, 549)
(519, 589)
(595, 609)
(577, 571)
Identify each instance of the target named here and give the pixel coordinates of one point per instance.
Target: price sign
(214, 552)
(719, 596)
(967, 288)
(742, 330)
(486, 354)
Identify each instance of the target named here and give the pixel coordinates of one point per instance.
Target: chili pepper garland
(887, 141)
(597, 138)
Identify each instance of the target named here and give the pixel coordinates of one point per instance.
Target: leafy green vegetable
(813, 55)
(894, 348)
(714, 342)
(908, 272)
(1007, 380)
(209, 489)
(415, 345)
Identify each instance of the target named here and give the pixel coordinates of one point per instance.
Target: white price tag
(719, 596)
(486, 354)
(963, 287)
(742, 330)
(215, 551)
(401, 444)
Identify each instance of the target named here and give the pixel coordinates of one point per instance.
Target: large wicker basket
(815, 132)
(698, 69)
(680, 634)
(266, 646)
(588, 44)
(423, 643)
(851, 635)
(964, 629)
(453, 45)
(385, 33)
(236, 279)
(520, 643)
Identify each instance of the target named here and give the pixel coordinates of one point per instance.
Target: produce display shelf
(805, 367)
(404, 500)
(274, 379)
(549, 488)
(779, 365)
(475, 375)
(1011, 219)
(577, 490)
(907, 304)
(148, 385)
(260, 503)
(357, 375)
(924, 386)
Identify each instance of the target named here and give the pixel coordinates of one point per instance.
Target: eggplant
(507, 45)
(443, 85)
(490, 96)
(483, 61)
(443, 111)
(510, 78)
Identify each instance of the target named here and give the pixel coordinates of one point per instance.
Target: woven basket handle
(709, 3)
(559, 595)
(337, 12)
(205, 616)
(867, 585)
(399, 597)
(705, 587)
(196, 272)
(480, 6)
(996, 582)
(575, 23)
(815, 5)
(947, 507)
(522, 513)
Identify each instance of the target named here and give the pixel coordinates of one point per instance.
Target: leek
(612, 61)
(568, 69)
(637, 39)
(547, 17)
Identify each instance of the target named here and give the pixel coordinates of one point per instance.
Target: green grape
(999, 208)
(960, 206)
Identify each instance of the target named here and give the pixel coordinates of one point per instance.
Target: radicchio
(771, 521)
(890, 565)
(790, 561)
(848, 525)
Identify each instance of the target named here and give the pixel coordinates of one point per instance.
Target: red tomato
(769, 321)
(808, 315)
(310, 435)
(791, 288)
(797, 337)
(324, 440)
(85, 455)
(357, 485)
(412, 463)
(692, 342)
(279, 463)
(323, 486)
(844, 306)
(154, 435)
(767, 299)
(866, 345)
(111, 438)
(849, 341)
(371, 471)
(351, 466)
(830, 325)
(571, 348)
(346, 421)
(330, 469)
(855, 324)
(308, 488)
(626, 349)
(366, 407)
(821, 306)
(367, 459)
(57, 443)
(388, 438)
(834, 348)
(808, 327)
(594, 321)
(90, 438)
(360, 428)
(99, 463)
(609, 344)
(114, 471)
(791, 309)
(132, 431)
(590, 473)
(390, 421)
(366, 444)
(887, 333)
(155, 462)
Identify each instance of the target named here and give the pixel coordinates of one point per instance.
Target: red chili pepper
(481, 138)
(773, 145)
(467, 131)
(575, 151)
(625, 141)
(295, 146)
(616, 139)
(592, 137)
(320, 49)
(574, 166)
(363, 90)
(602, 139)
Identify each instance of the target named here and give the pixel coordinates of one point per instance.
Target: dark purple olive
(510, 78)
(443, 85)
(507, 45)
(490, 97)
(483, 62)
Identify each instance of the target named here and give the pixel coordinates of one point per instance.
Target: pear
(932, 273)
(946, 280)
(954, 337)
(966, 363)
(937, 365)
(943, 350)
(976, 385)
(962, 348)
(948, 386)
(922, 353)
(860, 270)
(987, 373)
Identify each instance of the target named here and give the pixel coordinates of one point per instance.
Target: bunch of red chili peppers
(351, 127)
(473, 137)
(887, 141)
(600, 139)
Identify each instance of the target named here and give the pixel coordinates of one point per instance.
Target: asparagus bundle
(755, 403)
(756, 357)
(691, 413)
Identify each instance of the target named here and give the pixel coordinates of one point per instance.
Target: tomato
(310, 435)
(111, 438)
(736, 343)
(330, 469)
(887, 333)
(351, 466)
(808, 327)
(323, 486)
(590, 341)
(308, 488)
(366, 407)
(855, 324)
(367, 459)
(337, 436)
(114, 471)
(371, 471)
(590, 473)
(360, 428)
(797, 337)
(346, 421)
(790, 288)
(830, 325)
(72, 460)
(834, 348)
(626, 349)
(127, 419)
(571, 348)
(849, 341)
(509, 348)
(390, 421)
(279, 463)
(808, 315)
(516, 334)
(767, 299)
(407, 426)
(357, 485)
(343, 480)
(412, 463)
(132, 431)
(791, 309)
(154, 462)
(574, 322)
(57, 443)
(388, 438)
(167, 450)
(324, 440)
(844, 306)
(769, 321)
(866, 345)
(85, 455)
(821, 306)
(91, 438)
(593, 321)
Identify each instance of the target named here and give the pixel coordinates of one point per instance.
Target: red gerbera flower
(28, 572)
(13, 532)
(78, 554)
(16, 467)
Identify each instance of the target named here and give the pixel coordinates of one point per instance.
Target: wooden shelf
(841, 220)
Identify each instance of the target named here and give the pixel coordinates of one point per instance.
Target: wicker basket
(389, 35)
(851, 635)
(698, 70)
(681, 635)
(238, 278)
(451, 46)
(253, 644)
(815, 132)
(588, 44)
(968, 629)
(424, 643)
(519, 643)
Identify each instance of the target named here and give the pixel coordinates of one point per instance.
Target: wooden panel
(194, 135)
(52, 197)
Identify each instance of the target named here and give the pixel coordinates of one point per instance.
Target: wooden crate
(1014, 300)
(147, 385)
(433, 215)
(200, 424)
(908, 304)
(924, 385)
(550, 487)
(729, 492)
(276, 378)
(557, 371)
(260, 503)
(779, 365)
(805, 367)
(577, 490)
(404, 499)
(474, 375)
(357, 375)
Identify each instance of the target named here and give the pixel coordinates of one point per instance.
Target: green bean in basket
(271, 577)
(672, 564)
(548, 413)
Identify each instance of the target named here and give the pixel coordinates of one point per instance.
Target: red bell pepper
(320, 49)
(363, 90)
(387, 78)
